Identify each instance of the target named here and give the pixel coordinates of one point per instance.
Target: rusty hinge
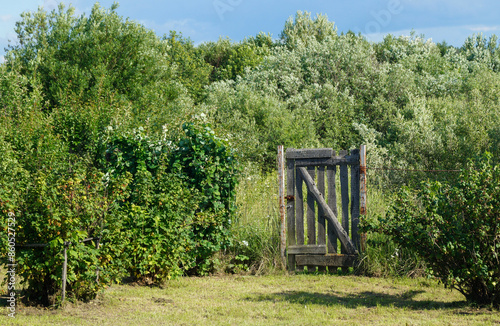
(290, 197)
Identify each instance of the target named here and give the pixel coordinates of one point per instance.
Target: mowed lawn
(268, 300)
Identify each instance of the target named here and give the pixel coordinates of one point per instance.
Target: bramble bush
(159, 211)
(180, 202)
(208, 166)
(60, 206)
(455, 229)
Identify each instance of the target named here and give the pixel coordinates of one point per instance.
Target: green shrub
(455, 229)
(208, 166)
(159, 230)
(158, 210)
(180, 202)
(56, 208)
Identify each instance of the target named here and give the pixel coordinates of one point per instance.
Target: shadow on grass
(366, 299)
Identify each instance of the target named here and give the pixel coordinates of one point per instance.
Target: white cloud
(453, 35)
(50, 5)
(453, 5)
(5, 18)
(485, 29)
(191, 28)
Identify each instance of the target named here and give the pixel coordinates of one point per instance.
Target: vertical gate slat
(355, 202)
(321, 214)
(332, 203)
(299, 208)
(344, 189)
(311, 212)
(290, 210)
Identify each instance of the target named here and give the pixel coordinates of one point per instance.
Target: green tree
(301, 30)
(84, 57)
(230, 59)
(189, 63)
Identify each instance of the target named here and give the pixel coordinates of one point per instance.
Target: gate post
(290, 209)
(362, 180)
(281, 201)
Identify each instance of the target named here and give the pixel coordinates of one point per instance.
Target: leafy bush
(159, 229)
(83, 57)
(56, 208)
(208, 166)
(191, 67)
(90, 111)
(455, 229)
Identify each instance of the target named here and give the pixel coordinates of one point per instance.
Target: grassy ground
(268, 300)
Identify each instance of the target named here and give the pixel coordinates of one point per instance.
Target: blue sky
(207, 20)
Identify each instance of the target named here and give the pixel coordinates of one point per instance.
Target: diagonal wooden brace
(341, 233)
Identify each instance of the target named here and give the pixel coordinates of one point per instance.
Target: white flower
(245, 243)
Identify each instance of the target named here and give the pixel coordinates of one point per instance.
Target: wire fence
(65, 261)
(394, 177)
(410, 170)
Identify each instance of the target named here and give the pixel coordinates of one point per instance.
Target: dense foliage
(94, 156)
(456, 229)
(110, 132)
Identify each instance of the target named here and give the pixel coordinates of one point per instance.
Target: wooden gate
(321, 237)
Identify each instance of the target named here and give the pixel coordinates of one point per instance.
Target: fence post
(281, 201)
(362, 181)
(64, 271)
(97, 269)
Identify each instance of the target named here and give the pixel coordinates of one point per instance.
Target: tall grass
(256, 230)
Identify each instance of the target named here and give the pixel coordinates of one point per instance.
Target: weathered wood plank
(281, 202)
(321, 213)
(307, 249)
(355, 202)
(341, 233)
(344, 190)
(336, 160)
(64, 271)
(327, 260)
(290, 210)
(309, 153)
(362, 186)
(311, 212)
(299, 207)
(332, 203)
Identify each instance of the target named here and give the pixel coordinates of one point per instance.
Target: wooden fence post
(281, 201)
(64, 271)
(290, 211)
(362, 202)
